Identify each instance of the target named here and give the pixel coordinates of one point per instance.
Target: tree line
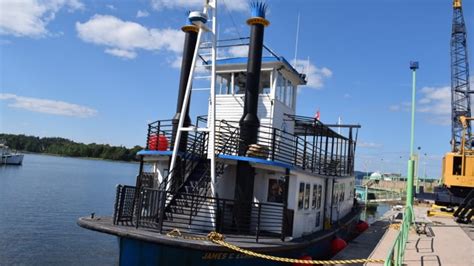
(66, 147)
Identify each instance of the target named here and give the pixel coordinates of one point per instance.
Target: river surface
(41, 200)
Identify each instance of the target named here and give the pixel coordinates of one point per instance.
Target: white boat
(9, 157)
(270, 180)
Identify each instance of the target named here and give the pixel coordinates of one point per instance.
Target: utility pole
(411, 163)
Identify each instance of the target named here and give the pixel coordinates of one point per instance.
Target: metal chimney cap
(258, 9)
(197, 18)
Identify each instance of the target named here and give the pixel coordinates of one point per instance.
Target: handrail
(396, 254)
(323, 154)
(263, 219)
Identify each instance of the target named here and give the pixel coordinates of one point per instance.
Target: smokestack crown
(258, 9)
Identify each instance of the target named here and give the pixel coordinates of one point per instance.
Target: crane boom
(460, 91)
(458, 165)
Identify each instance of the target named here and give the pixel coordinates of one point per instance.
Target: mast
(199, 19)
(460, 90)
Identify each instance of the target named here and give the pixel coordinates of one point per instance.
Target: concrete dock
(446, 242)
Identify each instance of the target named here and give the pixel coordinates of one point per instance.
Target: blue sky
(99, 71)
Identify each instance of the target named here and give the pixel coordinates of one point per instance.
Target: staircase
(465, 211)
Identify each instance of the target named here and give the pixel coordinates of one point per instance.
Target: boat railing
(157, 129)
(233, 218)
(330, 154)
(330, 157)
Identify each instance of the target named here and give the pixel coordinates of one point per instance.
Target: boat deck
(105, 225)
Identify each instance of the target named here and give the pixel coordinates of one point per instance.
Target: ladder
(210, 11)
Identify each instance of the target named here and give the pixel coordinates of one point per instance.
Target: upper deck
(313, 147)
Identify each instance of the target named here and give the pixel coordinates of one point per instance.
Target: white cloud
(47, 106)
(394, 108)
(436, 102)
(231, 5)
(239, 51)
(29, 18)
(121, 53)
(111, 7)
(176, 62)
(347, 96)
(142, 14)
(124, 38)
(369, 145)
(314, 75)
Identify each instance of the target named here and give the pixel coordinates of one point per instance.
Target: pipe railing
(396, 253)
(325, 154)
(211, 214)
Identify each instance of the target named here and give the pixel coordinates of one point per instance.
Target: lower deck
(345, 229)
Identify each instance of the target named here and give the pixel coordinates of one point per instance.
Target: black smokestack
(190, 39)
(249, 122)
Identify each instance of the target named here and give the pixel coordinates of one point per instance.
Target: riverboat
(269, 180)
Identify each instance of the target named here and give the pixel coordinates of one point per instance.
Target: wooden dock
(445, 241)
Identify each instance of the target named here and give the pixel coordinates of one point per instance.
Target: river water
(41, 200)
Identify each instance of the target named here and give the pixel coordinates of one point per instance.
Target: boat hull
(16, 159)
(138, 252)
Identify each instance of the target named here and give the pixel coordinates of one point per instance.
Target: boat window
(315, 192)
(320, 192)
(318, 219)
(342, 194)
(351, 192)
(284, 90)
(306, 196)
(264, 87)
(240, 78)
(224, 83)
(275, 190)
(335, 194)
(301, 196)
(289, 94)
(280, 88)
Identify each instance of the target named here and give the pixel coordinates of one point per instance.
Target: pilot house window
(275, 190)
(234, 83)
(284, 90)
(300, 196)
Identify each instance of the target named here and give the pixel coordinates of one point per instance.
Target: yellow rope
(218, 239)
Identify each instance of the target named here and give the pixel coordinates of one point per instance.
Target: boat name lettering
(223, 256)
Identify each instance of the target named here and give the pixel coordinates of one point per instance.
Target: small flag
(317, 115)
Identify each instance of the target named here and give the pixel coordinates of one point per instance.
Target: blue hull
(138, 252)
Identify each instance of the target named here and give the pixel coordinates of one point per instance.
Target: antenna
(297, 37)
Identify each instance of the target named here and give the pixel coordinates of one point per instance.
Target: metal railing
(153, 209)
(277, 145)
(397, 252)
(124, 204)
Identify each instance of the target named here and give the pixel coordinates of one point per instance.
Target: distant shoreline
(79, 157)
(56, 146)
